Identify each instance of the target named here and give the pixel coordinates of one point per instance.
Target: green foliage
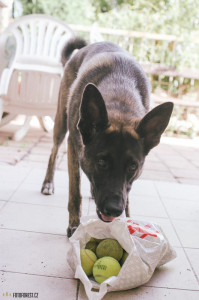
(179, 17)
(163, 16)
(75, 12)
(31, 7)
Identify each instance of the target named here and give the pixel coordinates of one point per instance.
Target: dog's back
(119, 78)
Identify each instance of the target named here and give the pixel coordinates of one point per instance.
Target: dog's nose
(113, 208)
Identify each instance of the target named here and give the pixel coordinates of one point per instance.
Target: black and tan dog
(104, 102)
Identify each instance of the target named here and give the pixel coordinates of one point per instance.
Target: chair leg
(46, 123)
(1, 110)
(5, 120)
(20, 133)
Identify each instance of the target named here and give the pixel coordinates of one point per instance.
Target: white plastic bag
(145, 242)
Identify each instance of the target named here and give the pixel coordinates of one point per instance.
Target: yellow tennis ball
(91, 245)
(124, 257)
(105, 267)
(88, 258)
(109, 247)
(92, 239)
(98, 240)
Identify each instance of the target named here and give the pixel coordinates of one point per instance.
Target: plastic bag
(145, 242)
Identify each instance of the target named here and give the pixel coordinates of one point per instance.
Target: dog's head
(113, 156)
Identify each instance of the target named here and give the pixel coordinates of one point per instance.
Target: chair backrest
(32, 84)
(39, 39)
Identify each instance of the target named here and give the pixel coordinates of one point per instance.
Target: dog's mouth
(104, 218)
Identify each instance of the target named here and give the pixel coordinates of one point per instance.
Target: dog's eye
(102, 163)
(132, 168)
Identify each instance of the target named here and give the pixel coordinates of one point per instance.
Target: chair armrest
(4, 80)
(3, 38)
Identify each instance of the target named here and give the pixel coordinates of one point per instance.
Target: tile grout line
(36, 232)
(34, 274)
(189, 161)
(195, 275)
(8, 201)
(78, 281)
(34, 204)
(171, 288)
(168, 168)
(30, 149)
(177, 178)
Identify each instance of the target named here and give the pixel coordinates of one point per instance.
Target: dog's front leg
(74, 204)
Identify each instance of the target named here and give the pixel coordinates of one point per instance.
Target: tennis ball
(95, 240)
(91, 245)
(88, 258)
(109, 247)
(98, 240)
(105, 267)
(124, 257)
(92, 239)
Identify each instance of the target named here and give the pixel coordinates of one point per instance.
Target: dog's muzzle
(104, 218)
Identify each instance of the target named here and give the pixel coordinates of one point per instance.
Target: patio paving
(33, 241)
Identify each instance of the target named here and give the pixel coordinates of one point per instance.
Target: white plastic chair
(30, 85)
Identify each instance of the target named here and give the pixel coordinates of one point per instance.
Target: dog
(104, 102)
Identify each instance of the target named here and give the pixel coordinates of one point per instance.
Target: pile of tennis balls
(102, 258)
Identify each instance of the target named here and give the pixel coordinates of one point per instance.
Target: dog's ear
(153, 125)
(93, 113)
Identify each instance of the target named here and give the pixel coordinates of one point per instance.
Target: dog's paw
(47, 188)
(71, 230)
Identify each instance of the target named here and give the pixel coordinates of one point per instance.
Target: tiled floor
(33, 242)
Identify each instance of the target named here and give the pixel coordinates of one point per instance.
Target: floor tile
(30, 193)
(157, 175)
(32, 164)
(11, 178)
(13, 174)
(143, 187)
(92, 207)
(192, 173)
(41, 150)
(182, 209)
(175, 274)
(152, 157)
(50, 288)
(146, 206)
(38, 218)
(7, 189)
(85, 186)
(187, 232)
(2, 203)
(193, 255)
(146, 293)
(178, 191)
(36, 175)
(152, 165)
(34, 253)
(38, 157)
(190, 181)
(11, 155)
(178, 162)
